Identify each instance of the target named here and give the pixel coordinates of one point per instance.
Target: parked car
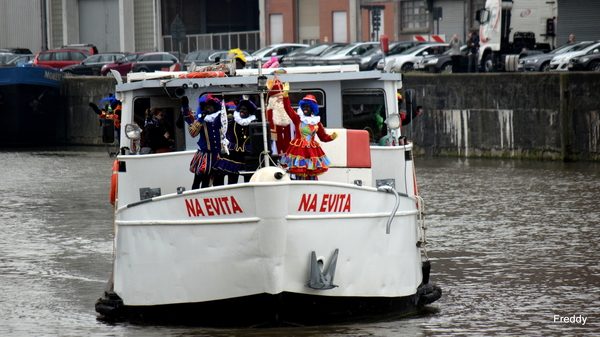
(404, 62)
(200, 57)
(88, 48)
(59, 58)
(264, 54)
(16, 50)
(560, 62)
(179, 55)
(442, 63)
(157, 61)
(349, 54)
(91, 65)
(19, 60)
(306, 56)
(541, 62)
(122, 65)
(224, 56)
(5, 57)
(369, 60)
(589, 62)
(141, 62)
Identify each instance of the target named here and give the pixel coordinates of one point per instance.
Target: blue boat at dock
(30, 102)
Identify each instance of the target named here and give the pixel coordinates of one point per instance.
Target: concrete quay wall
(550, 116)
(79, 125)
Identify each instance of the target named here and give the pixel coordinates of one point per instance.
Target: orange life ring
(113, 182)
(203, 74)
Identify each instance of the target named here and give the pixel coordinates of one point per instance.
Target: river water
(514, 245)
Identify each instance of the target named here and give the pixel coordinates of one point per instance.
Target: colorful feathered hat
(109, 103)
(230, 106)
(209, 99)
(312, 102)
(238, 54)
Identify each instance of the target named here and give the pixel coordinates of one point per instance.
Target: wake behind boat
(274, 250)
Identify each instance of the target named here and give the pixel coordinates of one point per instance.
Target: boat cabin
(359, 106)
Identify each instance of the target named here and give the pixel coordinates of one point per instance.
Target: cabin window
(142, 104)
(365, 110)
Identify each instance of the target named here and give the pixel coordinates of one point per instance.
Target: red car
(60, 58)
(122, 65)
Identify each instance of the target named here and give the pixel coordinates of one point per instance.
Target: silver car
(404, 62)
(560, 62)
(541, 62)
(264, 54)
(349, 54)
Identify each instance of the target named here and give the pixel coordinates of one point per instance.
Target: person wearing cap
(304, 156)
(238, 133)
(238, 58)
(206, 124)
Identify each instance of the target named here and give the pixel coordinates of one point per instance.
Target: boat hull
(253, 238)
(268, 310)
(178, 261)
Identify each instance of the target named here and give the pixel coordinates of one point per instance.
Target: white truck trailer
(511, 29)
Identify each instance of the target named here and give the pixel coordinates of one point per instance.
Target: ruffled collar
(211, 118)
(310, 120)
(243, 121)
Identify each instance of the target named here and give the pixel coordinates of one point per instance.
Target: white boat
(273, 251)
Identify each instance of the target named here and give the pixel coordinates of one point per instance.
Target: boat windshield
(365, 110)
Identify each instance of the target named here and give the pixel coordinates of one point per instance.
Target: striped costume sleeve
(194, 128)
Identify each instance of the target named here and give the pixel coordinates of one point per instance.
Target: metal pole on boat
(262, 87)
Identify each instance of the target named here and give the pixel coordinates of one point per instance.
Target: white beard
(280, 116)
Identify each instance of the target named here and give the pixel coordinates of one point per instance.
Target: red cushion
(358, 152)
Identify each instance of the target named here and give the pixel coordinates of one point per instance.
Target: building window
(414, 15)
(475, 6)
(276, 28)
(339, 27)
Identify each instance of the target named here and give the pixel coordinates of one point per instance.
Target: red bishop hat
(276, 87)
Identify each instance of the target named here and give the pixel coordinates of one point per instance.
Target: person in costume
(278, 110)
(238, 133)
(304, 157)
(111, 108)
(238, 58)
(406, 118)
(206, 124)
